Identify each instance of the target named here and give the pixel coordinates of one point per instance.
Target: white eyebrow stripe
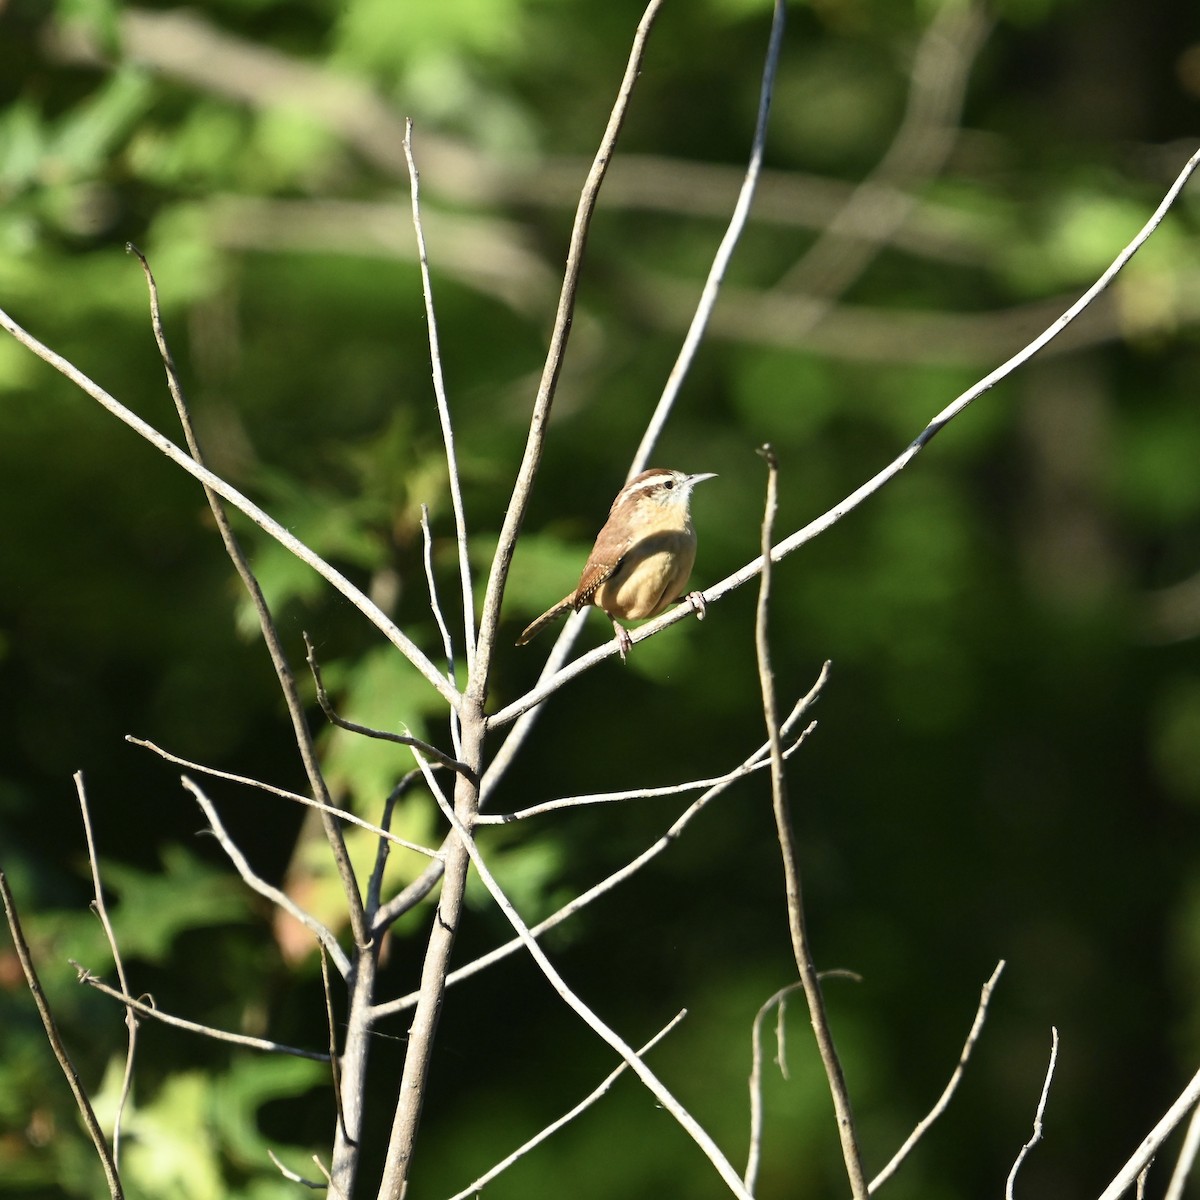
(644, 485)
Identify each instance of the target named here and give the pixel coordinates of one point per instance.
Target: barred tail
(548, 617)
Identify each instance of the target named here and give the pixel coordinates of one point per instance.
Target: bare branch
(242, 503)
(754, 1154)
(720, 263)
(291, 1175)
(738, 772)
(1188, 1100)
(102, 912)
(443, 407)
(519, 502)
(943, 1101)
(612, 881)
(208, 1031)
(1036, 1136)
(262, 887)
(548, 686)
(383, 735)
(435, 606)
(1187, 1157)
(607, 1034)
(801, 949)
(295, 797)
(56, 1043)
(606, 1084)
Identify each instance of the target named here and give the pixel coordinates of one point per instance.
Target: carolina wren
(642, 557)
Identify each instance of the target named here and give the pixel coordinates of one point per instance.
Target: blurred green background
(1008, 757)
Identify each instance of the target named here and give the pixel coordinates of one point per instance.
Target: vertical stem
(436, 965)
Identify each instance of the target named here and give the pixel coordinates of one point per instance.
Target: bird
(642, 557)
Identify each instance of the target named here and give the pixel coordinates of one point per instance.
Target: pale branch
(266, 622)
(548, 686)
(383, 735)
(887, 197)
(610, 882)
(242, 503)
(56, 1043)
(1036, 1135)
(291, 1175)
(606, 1033)
(253, 881)
(519, 502)
(943, 1100)
(1188, 1099)
(443, 408)
(1186, 1159)
(474, 1188)
(341, 813)
(435, 966)
(674, 789)
(720, 263)
(411, 895)
(754, 1153)
(375, 882)
(208, 1031)
(102, 912)
(797, 925)
(435, 605)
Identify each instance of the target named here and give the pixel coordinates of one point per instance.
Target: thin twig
(1036, 1136)
(208, 1031)
(548, 686)
(331, 1027)
(606, 1033)
(102, 912)
(435, 605)
(1187, 1100)
(443, 406)
(378, 618)
(56, 1043)
(943, 1101)
(754, 1154)
(375, 883)
(1187, 1157)
(291, 1175)
(382, 735)
(283, 793)
(474, 1188)
(519, 502)
(720, 263)
(270, 633)
(610, 882)
(262, 887)
(692, 785)
(801, 949)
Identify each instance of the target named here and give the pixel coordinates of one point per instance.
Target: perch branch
(549, 685)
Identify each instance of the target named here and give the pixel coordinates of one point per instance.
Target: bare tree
(463, 774)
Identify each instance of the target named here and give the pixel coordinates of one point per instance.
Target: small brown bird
(642, 557)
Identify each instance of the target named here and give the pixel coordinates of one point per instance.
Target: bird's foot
(699, 607)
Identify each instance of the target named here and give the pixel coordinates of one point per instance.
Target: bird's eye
(669, 484)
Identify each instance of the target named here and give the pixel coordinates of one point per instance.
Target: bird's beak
(695, 479)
